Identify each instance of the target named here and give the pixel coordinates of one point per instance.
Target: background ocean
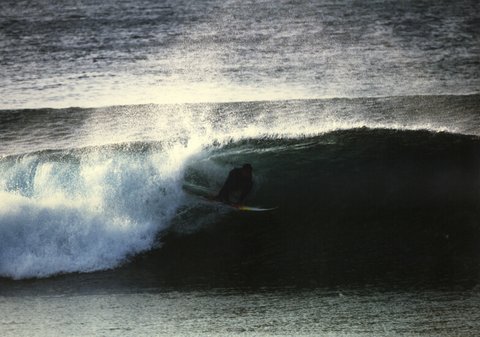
(362, 123)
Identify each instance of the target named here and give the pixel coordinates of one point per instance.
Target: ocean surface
(361, 120)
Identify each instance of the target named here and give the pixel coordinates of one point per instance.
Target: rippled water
(233, 312)
(124, 52)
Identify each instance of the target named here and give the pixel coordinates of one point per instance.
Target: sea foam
(82, 212)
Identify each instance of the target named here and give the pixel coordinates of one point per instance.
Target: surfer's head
(247, 169)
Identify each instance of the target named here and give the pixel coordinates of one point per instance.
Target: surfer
(239, 181)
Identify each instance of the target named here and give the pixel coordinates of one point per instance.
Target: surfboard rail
(208, 195)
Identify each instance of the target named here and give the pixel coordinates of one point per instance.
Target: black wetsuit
(236, 181)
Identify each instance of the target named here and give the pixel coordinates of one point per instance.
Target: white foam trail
(82, 214)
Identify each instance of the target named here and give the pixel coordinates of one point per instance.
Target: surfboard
(252, 209)
(207, 195)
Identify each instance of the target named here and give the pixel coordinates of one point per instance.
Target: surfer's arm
(245, 191)
(224, 193)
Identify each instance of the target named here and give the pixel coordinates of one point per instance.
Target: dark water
(354, 206)
(361, 120)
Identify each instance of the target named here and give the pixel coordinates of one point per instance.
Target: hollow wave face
(357, 205)
(82, 211)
